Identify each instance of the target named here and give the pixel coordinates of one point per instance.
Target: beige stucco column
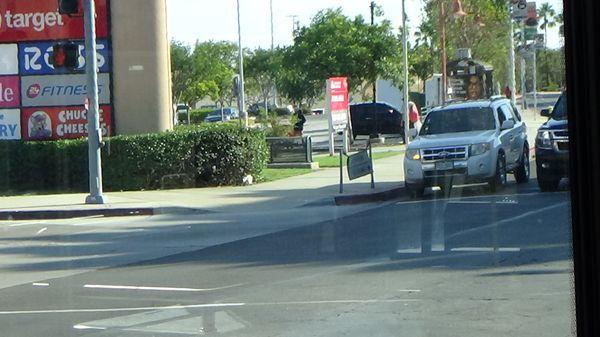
(141, 66)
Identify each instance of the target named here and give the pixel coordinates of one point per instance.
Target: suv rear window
(458, 120)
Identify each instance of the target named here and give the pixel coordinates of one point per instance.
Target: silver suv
(466, 143)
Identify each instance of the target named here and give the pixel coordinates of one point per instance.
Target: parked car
(552, 146)
(374, 119)
(469, 142)
(222, 116)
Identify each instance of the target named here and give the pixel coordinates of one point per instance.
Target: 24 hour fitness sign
(34, 95)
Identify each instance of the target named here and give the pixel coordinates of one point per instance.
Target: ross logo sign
(35, 20)
(9, 92)
(9, 62)
(337, 102)
(61, 122)
(34, 58)
(10, 124)
(61, 90)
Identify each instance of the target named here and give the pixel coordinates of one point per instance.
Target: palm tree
(561, 24)
(547, 13)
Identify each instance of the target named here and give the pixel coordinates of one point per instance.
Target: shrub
(196, 116)
(211, 154)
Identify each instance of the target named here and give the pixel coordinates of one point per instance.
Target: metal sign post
(94, 131)
(341, 171)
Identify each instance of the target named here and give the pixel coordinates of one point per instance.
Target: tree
(214, 66)
(182, 72)
(483, 30)
(335, 45)
(261, 69)
(547, 13)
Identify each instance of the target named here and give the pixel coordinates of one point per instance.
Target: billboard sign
(9, 61)
(61, 90)
(10, 124)
(337, 102)
(34, 58)
(50, 123)
(39, 20)
(9, 92)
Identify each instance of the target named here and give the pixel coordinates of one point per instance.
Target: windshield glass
(560, 109)
(251, 168)
(458, 120)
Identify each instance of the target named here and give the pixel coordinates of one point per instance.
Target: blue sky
(202, 20)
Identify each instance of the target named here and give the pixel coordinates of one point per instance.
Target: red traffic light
(65, 56)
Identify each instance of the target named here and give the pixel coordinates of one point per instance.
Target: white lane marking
(196, 306)
(486, 249)
(119, 287)
(409, 290)
(41, 231)
(71, 311)
(85, 327)
(27, 223)
(372, 301)
(504, 221)
(470, 202)
(40, 284)
(449, 200)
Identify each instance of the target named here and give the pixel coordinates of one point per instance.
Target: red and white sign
(33, 20)
(337, 102)
(10, 90)
(61, 122)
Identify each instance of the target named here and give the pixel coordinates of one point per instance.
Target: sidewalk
(313, 189)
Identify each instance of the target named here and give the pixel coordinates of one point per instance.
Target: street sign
(359, 165)
(337, 103)
(519, 9)
(531, 33)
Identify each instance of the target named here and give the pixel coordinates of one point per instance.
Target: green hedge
(212, 155)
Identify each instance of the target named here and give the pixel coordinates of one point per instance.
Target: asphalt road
(499, 265)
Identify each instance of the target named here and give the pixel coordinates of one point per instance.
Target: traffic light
(68, 7)
(236, 85)
(65, 56)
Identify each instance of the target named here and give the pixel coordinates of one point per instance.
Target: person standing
(413, 117)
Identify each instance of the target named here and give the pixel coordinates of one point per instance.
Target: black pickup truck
(552, 146)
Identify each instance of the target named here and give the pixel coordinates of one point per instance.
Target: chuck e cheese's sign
(60, 123)
(38, 102)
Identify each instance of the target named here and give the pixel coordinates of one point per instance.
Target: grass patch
(271, 174)
(327, 161)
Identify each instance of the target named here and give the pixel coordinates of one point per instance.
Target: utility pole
(242, 103)
(443, 46)
(373, 61)
(511, 55)
(272, 26)
(93, 120)
(405, 58)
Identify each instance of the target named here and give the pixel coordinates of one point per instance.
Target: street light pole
(443, 47)
(93, 121)
(405, 68)
(511, 56)
(242, 102)
(272, 26)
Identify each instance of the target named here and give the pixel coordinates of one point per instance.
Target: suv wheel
(522, 172)
(416, 191)
(499, 180)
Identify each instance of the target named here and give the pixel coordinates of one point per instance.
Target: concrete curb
(74, 213)
(47, 214)
(393, 193)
